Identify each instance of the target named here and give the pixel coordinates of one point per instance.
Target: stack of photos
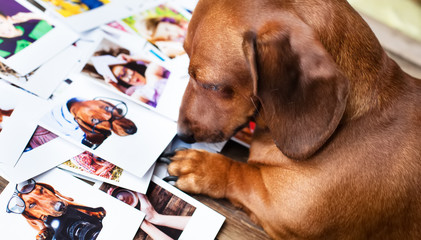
(91, 90)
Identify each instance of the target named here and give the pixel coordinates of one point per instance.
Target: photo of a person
(90, 163)
(166, 214)
(135, 76)
(68, 8)
(19, 28)
(162, 26)
(40, 137)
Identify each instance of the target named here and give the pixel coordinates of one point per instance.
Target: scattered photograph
(45, 79)
(84, 15)
(25, 35)
(19, 27)
(56, 205)
(134, 74)
(111, 127)
(43, 152)
(130, 66)
(88, 166)
(170, 213)
(165, 26)
(18, 113)
(67, 8)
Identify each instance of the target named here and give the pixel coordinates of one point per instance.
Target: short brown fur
(336, 153)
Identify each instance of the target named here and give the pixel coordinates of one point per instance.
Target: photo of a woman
(19, 28)
(163, 26)
(135, 76)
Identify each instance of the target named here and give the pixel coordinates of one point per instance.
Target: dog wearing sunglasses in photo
(92, 121)
(54, 215)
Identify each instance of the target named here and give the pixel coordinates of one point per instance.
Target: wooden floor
(237, 224)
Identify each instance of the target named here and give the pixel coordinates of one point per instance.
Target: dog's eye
(211, 87)
(31, 205)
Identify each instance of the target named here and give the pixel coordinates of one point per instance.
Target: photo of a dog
(93, 121)
(54, 215)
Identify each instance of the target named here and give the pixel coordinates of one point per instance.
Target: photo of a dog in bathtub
(92, 121)
(54, 215)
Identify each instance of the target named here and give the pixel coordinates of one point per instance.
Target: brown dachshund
(336, 153)
(99, 118)
(44, 201)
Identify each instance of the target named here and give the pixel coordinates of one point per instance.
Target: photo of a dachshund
(93, 121)
(4, 114)
(54, 215)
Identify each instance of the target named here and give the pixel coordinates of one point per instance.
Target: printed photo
(84, 15)
(109, 126)
(28, 37)
(68, 8)
(166, 214)
(133, 74)
(45, 79)
(88, 166)
(164, 26)
(92, 121)
(56, 205)
(16, 108)
(88, 162)
(43, 152)
(41, 136)
(170, 214)
(19, 27)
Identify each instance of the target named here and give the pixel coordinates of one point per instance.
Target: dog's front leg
(212, 174)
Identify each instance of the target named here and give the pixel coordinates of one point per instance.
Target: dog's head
(247, 59)
(99, 118)
(43, 201)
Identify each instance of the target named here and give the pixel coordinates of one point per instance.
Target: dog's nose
(131, 130)
(188, 138)
(59, 206)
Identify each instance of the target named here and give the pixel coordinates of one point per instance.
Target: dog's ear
(300, 88)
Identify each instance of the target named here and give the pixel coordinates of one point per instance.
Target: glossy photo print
(133, 68)
(67, 8)
(94, 168)
(29, 38)
(84, 15)
(170, 213)
(111, 127)
(134, 74)
(18, 115)
(165, 26)
(55, 205)
(19, 27)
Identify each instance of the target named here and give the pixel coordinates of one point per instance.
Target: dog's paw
(200, 172)
(45, 234)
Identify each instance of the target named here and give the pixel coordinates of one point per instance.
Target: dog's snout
(59, 206)
(131, 130)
